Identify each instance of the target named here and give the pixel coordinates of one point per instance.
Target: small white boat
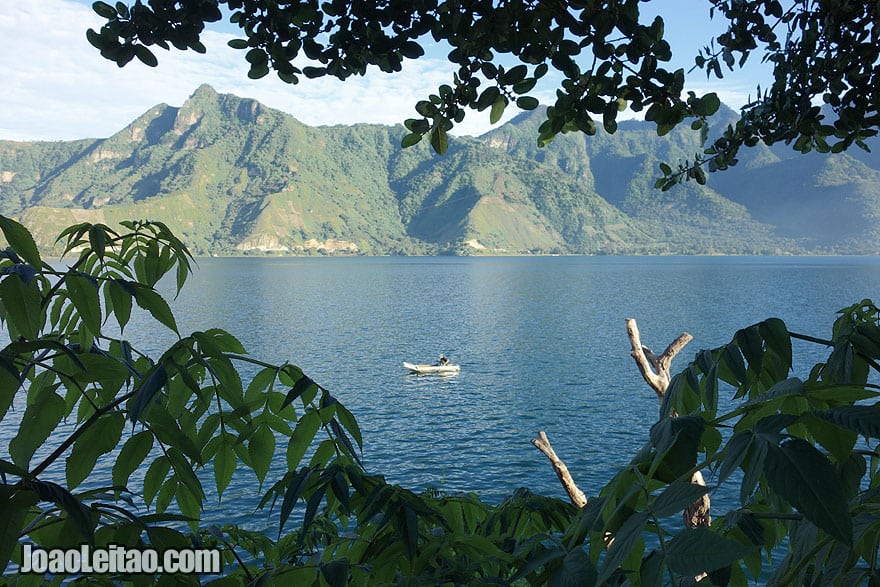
(426, 369)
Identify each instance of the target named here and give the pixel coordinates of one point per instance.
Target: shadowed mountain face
(230, 175)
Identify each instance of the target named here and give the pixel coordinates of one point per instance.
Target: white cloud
(58, 87)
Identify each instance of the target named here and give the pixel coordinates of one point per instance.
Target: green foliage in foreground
(179, 425)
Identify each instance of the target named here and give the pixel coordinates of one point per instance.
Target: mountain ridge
(232, 176)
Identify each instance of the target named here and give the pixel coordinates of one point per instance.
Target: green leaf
(336, 572)
(407, 526)
(15, 504)
(805, 478)
(784, 388)
(751, 345)
(120, 300)
(223, 341)
(260, 384)
(339, 486)
(349, 422)
(145, 56)
(836, 440)
(300, 388)
(514, 75)
(189, 504)
(184, 472)
(21, 241)
(99, 438)
(84, 296)
(711, 103)
(676, 497)
(22, 307)
(293, 493)
(224, 466)
(439, 139)
(734, 454)
(343, 439)
(39, 421)
(527, 102)
(153, 303)
(651, 570)
(410, 140)
(864, 420)
(735, 369)
(154, 477)
(258, 70)
(711, 386)
(775, 335)
(261, 448)
(130, 458)
(98, 240)
(322, 455)
(624, 541)
(302, 437)
(497, 111)
(676, 441)
(697, 550)
(411, 50)
(753, 468)
(577, 570)
(149, 387)
(9, 386)
(488, 97)
(542, 558)
(104, 10)
(79, 514)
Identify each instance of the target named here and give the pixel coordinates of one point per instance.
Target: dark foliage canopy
(606, 54)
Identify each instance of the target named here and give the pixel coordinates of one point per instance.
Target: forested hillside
(232, 176)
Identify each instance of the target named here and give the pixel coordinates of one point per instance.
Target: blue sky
(57, 86)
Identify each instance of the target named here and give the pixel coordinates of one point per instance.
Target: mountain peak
(204, 91)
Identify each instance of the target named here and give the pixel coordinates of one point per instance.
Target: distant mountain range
(232, 176)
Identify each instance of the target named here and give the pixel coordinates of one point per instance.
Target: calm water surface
(541, 343)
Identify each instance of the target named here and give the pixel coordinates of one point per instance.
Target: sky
(56, 86)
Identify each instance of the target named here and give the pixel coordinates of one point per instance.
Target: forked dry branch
(656, 372)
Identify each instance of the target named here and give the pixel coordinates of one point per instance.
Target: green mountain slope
(232, 176)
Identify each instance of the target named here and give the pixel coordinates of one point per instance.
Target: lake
(541, 343)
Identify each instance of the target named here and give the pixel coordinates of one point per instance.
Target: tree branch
(654, 369)
(577, 497)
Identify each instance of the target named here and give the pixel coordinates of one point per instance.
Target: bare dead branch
(656, 372)
(673, 349)
(577, 497)
(654, 369)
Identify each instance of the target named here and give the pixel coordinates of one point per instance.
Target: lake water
(541, 343)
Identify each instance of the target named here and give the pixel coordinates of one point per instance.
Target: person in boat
(442, 361)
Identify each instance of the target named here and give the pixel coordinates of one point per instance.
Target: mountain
(232, 176)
